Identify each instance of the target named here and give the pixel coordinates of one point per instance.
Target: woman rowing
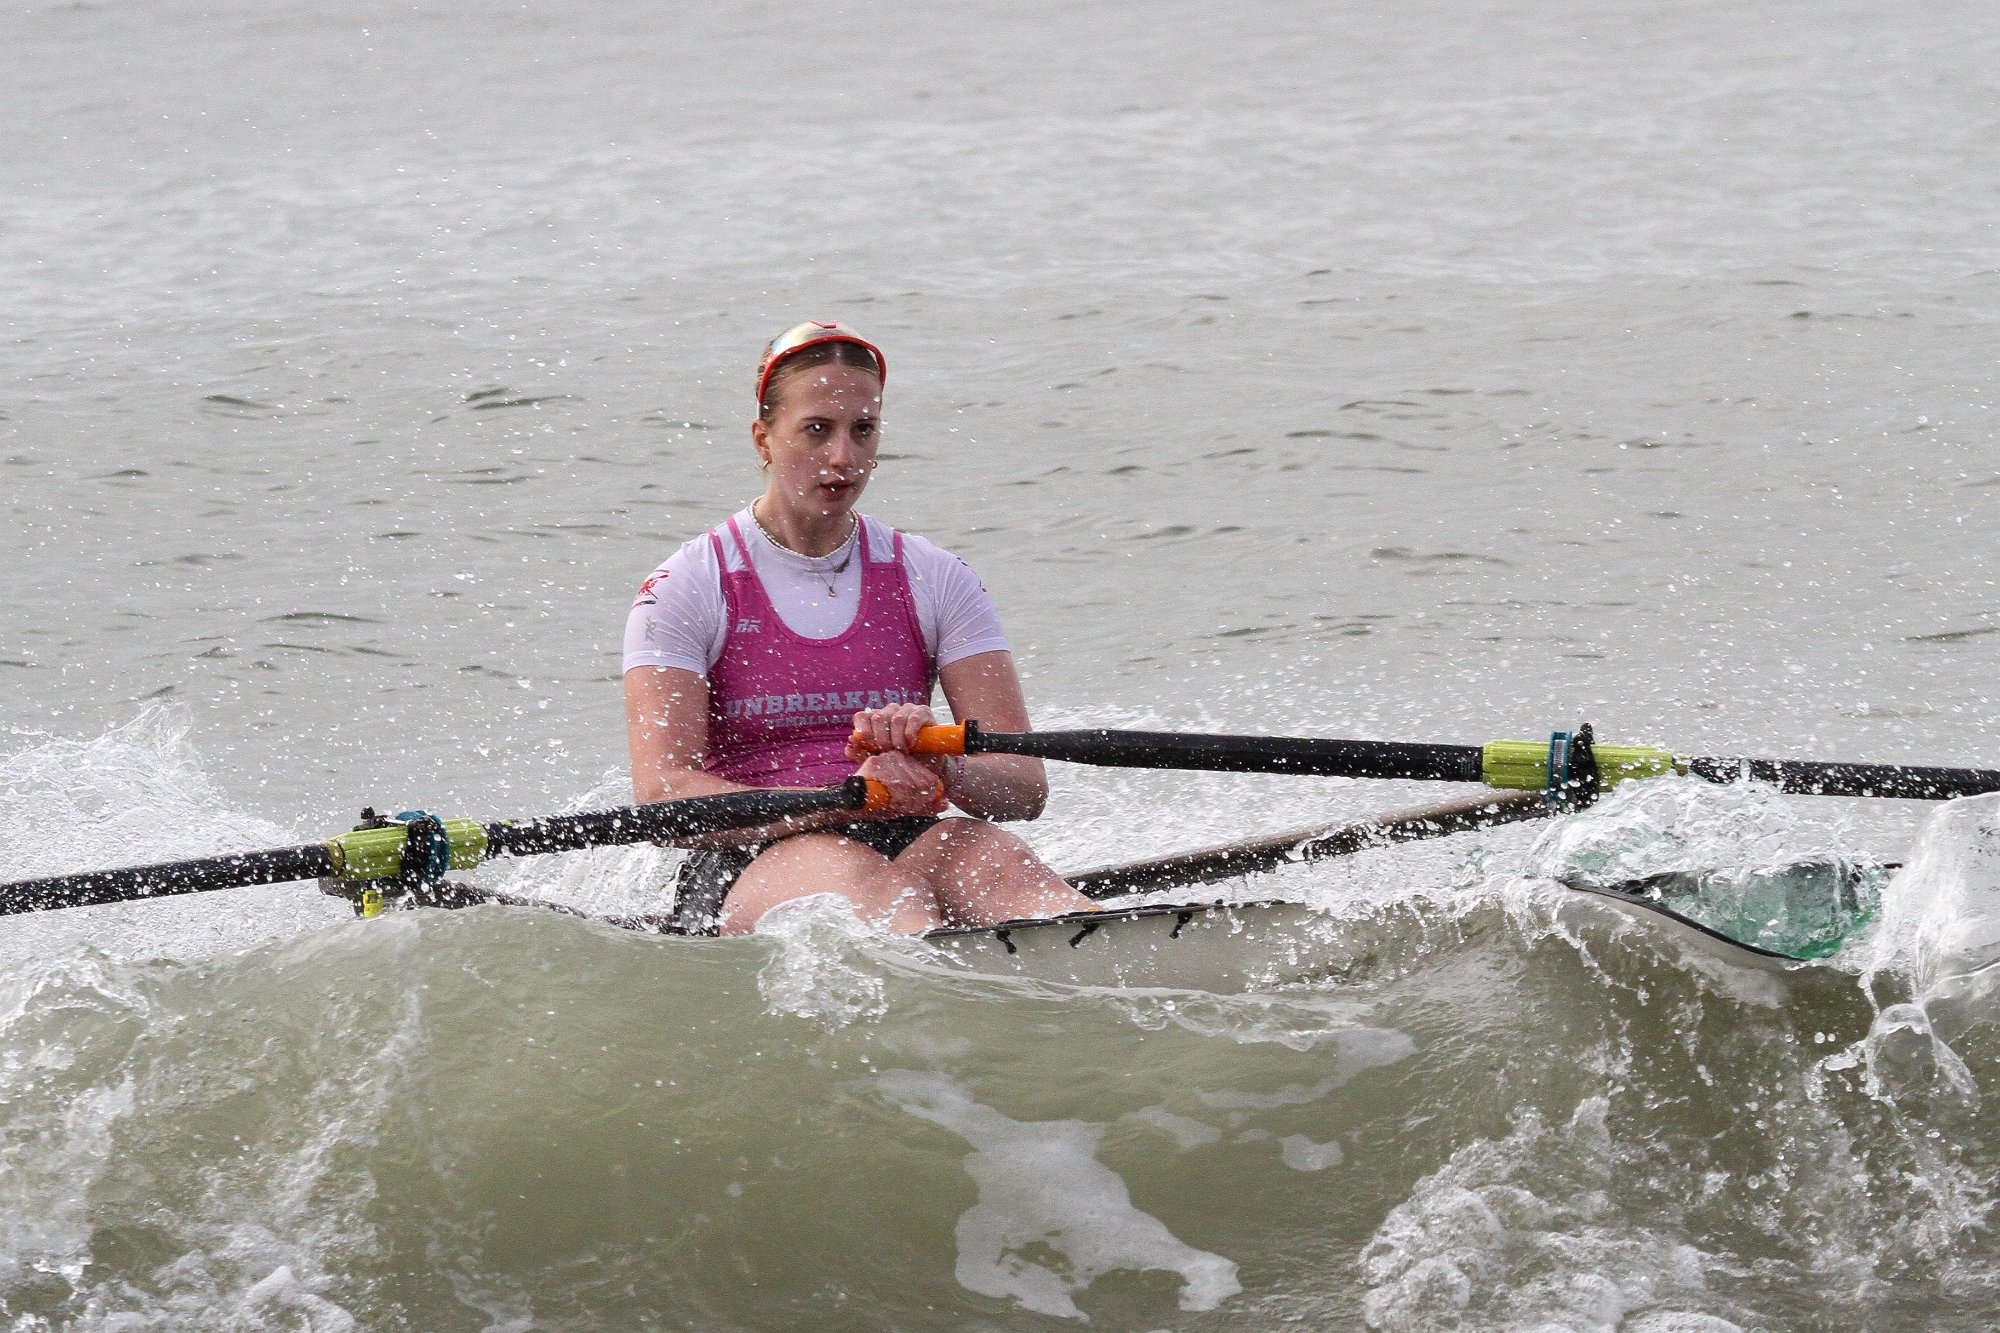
(762, 650)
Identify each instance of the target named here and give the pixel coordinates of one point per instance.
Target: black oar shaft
(667, 821)
(1303, 756)
(1502, 763)
(1271, 851)
(1812, 778)
(95, 887)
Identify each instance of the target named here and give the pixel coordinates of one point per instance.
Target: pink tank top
(780, 705)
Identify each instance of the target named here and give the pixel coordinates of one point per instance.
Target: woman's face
(820, 441)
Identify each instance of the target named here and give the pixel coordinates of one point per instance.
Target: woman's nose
(845, 449)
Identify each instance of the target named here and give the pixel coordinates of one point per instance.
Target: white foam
(1041, 1186)
(1298, 1019)
(282, 1291)
(1302, 1154)
(1677, 1321)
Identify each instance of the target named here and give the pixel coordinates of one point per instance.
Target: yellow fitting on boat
(377, 853)
(1524, 765)
(371, 902)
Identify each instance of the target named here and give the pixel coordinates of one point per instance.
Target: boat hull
(1213, 946)
(1224, 947)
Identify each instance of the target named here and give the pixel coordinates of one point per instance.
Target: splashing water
(1941, 912)
(1525, 1231)
(1681, 825)
(1726, 858)
(825, 961)
(1476, 1116)
(136, 794)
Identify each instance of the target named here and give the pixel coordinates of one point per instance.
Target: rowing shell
(1230, 947)
(1225, 946)
(1213, 946)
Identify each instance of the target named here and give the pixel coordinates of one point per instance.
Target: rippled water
(1443, 373)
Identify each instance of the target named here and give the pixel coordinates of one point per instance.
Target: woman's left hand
(914, 787)
(891, 728)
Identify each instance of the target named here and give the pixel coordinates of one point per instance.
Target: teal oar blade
(1799, 913)
(376, 853)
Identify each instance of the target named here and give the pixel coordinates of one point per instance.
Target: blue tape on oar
(1557, 791)
(426, 848)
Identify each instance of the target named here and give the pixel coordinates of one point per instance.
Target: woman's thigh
(982, 874)
(882, 891)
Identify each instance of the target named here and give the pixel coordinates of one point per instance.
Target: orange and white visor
(801, 336)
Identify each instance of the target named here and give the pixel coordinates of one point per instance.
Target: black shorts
(707, 875)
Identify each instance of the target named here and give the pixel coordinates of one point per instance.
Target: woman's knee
(985, 874)
(970, 845)
(813, 864)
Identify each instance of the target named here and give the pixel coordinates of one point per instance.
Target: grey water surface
(1432, 372)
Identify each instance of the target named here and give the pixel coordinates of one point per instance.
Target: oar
(1517, 765)
(1271, 851)
(1208, 865)
(367, 855)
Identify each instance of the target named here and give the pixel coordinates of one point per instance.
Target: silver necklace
(826, 576)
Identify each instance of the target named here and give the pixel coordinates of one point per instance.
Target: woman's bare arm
(986, 688)
(666, 730)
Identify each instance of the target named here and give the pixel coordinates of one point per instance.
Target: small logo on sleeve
(645, 597)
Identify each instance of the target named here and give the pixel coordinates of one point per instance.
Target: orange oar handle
(879, 798)
(930, 740)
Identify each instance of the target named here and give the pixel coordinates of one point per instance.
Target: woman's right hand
(884, 729)
(914, 786)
